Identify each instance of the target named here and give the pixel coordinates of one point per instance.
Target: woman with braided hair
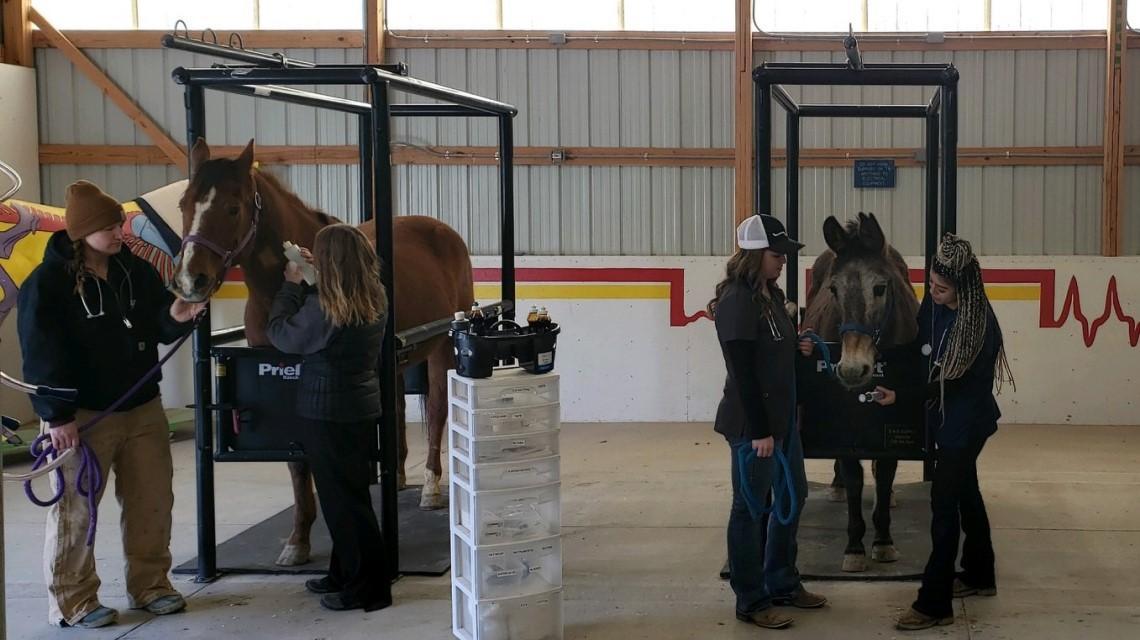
(960, 333)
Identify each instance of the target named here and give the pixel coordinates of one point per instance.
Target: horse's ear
(245, 160)
(834, 234)
(871, 234)
(199, 153)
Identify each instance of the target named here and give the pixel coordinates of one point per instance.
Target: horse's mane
(822, 314)
(293, 201)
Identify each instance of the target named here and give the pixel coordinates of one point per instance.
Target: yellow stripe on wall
(1002, 291)
(572, 291)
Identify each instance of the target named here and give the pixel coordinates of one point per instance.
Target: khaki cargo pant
(136, 445)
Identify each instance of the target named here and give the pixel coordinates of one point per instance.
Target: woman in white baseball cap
(758, 340)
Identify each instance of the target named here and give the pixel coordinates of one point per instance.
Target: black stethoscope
(99, 288)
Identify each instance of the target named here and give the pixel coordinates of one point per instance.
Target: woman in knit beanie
(961, 335)
(90, 318)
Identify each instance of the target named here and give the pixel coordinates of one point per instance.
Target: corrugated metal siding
(643, 98)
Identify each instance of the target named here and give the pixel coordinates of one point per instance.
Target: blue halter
(875, 333)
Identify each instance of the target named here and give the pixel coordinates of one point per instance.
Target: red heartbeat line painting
(675, 278)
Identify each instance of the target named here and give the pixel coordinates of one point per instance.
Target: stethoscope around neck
(102, 310)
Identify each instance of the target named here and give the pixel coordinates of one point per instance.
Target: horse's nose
(866, 371)
(201, 281)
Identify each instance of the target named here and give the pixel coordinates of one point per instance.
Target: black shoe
(342, 602)
(320, 586)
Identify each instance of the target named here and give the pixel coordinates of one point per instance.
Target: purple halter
(229, 256)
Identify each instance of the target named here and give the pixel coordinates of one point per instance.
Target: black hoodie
(100, 356)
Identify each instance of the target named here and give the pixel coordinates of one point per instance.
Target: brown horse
(233, 213)
(861, 296)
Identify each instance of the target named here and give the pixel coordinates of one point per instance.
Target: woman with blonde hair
(759, 342)
(338, 327)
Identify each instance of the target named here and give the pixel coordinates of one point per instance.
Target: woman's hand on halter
(888, 397)
(806, 346)
(183, 312)
(764, 447)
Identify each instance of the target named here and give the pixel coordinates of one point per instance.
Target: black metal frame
(376, 198)
(940, 115)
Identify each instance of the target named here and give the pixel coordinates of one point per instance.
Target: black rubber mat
(425, 547)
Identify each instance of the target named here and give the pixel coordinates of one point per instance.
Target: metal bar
(842, 66)
(862, 111)
(289, 95)
(267, 455)
(226, 336)
(785, 100)
(507, 210)
(203, 385)
(362, 75)
(932, 133)
(762, 132)
(437, 110)
(935, 103)
(367, 206)
(792, 274)
(950, 156)
(908, 76)
(232, 53)
(382, 205)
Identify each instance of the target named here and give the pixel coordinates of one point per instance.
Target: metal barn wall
(644, 99)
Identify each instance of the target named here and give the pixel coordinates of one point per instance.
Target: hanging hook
(185, 29)
(211, 32)
(240, 42)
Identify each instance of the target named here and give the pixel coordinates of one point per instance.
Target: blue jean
(762, 552)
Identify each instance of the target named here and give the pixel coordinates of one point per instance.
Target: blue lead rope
(784, 506)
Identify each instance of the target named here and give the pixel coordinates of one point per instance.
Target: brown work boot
(767, 619)
(803, 599)
(915, 620)
(963, 590)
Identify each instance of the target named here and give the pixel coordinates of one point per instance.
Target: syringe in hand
(870, 396)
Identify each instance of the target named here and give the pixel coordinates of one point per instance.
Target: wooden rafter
(742, 110)
(157, 136)
(17, 33)
(1113, 129)
(587, 156)
(374, 33)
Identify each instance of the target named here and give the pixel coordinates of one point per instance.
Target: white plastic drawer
(512, 515)
(492, 476)
(510, 388)
(480, 423)
(522, 446)
(507, 570)
(534, 617)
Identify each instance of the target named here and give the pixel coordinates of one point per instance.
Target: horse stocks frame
(940, 116)
(374, 119)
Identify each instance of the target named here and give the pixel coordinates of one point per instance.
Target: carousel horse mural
(232, 212)
(861, 297)
(26, 226)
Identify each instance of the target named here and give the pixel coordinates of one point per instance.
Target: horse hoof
(401, 480)
(293, 555)
(884, 553)
(837, 494)
(431, 498)
(854, 562)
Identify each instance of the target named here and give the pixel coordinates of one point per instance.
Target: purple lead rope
(89, 480)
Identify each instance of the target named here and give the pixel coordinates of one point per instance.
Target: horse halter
(228, 256)
(876, 333)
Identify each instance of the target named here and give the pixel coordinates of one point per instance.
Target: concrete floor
(643, 514)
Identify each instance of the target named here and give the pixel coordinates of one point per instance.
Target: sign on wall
(874, 174)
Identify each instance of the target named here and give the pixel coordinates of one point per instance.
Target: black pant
(339, 454)
(955, 493)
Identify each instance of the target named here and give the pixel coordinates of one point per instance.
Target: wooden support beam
(742, 80)
(1113, 129)
(374, 32)
(157, 136)
(587, 156)
(18, 34)
(263, 39)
